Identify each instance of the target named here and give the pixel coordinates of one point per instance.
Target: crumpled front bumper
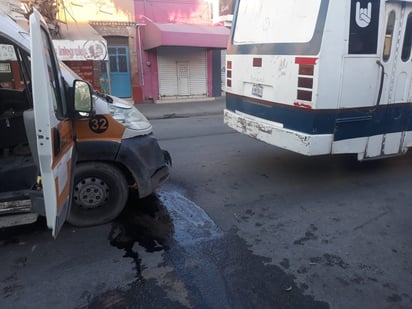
(146, 161)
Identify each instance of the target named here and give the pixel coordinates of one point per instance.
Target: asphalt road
(239, 224)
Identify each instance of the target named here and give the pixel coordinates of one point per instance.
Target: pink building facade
(179, 50)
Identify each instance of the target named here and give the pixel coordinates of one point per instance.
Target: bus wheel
(99, 195)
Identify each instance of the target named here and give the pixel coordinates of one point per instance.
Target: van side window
(407, 40)
(389, 36)
(59, 108)
(15, 97)
(15, 89)
(10, 74)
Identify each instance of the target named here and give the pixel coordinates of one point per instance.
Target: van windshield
(275, 21)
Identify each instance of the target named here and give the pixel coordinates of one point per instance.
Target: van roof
(10, 29)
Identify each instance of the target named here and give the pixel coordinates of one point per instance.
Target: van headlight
(130, 117)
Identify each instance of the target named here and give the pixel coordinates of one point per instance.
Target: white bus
(322, 76)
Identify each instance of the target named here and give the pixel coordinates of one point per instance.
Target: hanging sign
(80, 50)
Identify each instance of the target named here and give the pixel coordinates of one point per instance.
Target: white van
(66, 152)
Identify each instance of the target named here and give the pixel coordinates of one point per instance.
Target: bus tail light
(229, 74)
(257, 62)
(305, 80)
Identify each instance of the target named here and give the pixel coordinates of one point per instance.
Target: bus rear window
(275, 21)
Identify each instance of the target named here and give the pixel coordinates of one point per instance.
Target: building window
(118, 59)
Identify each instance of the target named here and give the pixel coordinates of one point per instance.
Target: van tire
(100, 193)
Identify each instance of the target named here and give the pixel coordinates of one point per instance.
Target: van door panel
(54, 133)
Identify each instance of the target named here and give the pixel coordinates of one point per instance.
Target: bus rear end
(322, 76)
(272, 67)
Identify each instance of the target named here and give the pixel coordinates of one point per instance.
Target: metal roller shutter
(182, 72)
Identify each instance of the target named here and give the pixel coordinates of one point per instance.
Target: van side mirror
(83, 99)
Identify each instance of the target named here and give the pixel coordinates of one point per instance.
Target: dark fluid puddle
(214, 269)
(159, 221)
(146, 222)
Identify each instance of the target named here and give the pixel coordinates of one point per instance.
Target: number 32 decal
(98, 124)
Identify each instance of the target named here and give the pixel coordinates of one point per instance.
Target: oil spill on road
(192, 225)
(157, 220)
(146, 222)
(199, 265)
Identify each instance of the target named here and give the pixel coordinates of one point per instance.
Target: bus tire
(100, 193)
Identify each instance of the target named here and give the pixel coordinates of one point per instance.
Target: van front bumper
(146, 161)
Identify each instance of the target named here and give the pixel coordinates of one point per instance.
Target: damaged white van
(66, 152)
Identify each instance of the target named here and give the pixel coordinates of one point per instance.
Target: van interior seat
(18, 166)
(12, 105)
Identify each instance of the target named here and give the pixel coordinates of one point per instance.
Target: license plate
(257, 90)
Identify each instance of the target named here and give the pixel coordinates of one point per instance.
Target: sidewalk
(214, 106)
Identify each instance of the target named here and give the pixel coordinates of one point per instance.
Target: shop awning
(80, 42)
(156, 35)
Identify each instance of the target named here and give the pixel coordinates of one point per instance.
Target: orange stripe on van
(109, 130)
(65, 132)
(64, 196)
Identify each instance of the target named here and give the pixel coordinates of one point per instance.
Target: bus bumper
(274, 133)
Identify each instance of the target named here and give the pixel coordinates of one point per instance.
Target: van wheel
(100, 193)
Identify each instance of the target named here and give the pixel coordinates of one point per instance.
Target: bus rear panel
(322, 76)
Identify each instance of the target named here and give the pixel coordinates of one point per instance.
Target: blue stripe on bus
(342, 123)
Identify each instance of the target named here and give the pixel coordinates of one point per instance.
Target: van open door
(54, 132)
